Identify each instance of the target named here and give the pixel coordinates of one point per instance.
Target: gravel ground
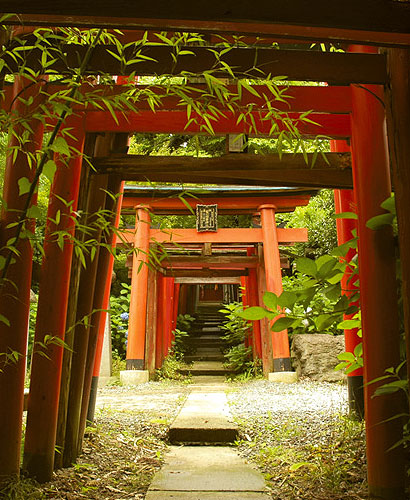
(300, 437)
(296, 434)
(312, 406)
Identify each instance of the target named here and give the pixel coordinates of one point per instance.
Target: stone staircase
(206, 345)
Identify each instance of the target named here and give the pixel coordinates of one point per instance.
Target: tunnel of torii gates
(243, 256)
(352, 112)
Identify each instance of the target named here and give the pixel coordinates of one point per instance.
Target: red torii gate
(372, 185)
(276, 355)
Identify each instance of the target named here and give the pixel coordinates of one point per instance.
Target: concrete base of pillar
(283, 377)
(134, 377)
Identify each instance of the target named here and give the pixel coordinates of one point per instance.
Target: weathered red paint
(234, 203)
(107, 289)
(336, 126)
(345, 202)
(378, 289)
(223, 235)
(15, 292)
(332, 99)
(280, 342)
(139, 287)
(51, 313)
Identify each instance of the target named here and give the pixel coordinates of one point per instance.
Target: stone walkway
(204, 471)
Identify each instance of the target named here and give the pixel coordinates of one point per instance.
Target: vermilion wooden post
(100, 317)
(177, 289)
(139, 287)
(152, 312)
(104, 273)
(280, 341)
(266, 337)
(398, 126)
(253, 301)
(245, 303)
(378, 289)
(345, 202)
(183, 297)
(73, 290)
(97, 195)
(169, 309)
(15, 290)
(159, 349)
(51, 313)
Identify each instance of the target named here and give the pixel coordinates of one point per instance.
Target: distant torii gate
(155, 294)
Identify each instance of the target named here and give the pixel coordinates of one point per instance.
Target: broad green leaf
(346, 215)
(287, 299)
(323, 321)
(332, 292)
(282, 323)
(342, 304)
(380, 221)
(270, 300)
(348, 324)
(390, 205)
(253, 313)
(34, 212)
(324, 271)
(335, 276)
(346, 356)
(49, 170)
(24, 185)
(342, 250)
(60, 146)
(358, 350)
(306, 266)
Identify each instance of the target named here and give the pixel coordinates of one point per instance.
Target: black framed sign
(206, 218)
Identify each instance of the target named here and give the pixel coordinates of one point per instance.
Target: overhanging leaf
(253, 313)
(379, 221)
(306, 266)
(270, 300)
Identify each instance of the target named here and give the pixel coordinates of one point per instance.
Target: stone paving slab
(204, 418)
(206, 495)
(209, 468)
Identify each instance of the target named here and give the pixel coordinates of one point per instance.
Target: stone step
(205, 338)
(208, 344)
(206, 473)
(206, 367)
(204, 357)
(203, 419)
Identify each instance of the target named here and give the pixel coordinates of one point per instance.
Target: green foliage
(170, 369)
(119, 309)
(238, 357)
(179, 345)
(184, 321)
(318, 218)
(236, 328)
(312, 300)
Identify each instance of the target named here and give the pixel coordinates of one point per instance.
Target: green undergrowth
(299, 462)
(170, 369)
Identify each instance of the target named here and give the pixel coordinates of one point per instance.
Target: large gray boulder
(315, 356)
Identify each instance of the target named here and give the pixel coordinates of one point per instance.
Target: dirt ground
(303, 456)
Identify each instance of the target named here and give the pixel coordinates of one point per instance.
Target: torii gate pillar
(280, 342)
(378, 292)
(135, 364)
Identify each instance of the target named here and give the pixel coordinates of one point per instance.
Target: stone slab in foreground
(204, 418)
(215, 470)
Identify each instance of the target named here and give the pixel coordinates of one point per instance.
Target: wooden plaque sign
(206, 218)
